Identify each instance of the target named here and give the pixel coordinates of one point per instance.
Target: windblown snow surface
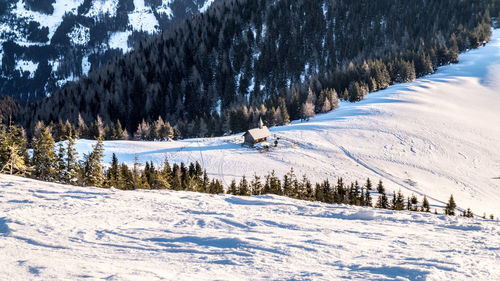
(436, 136)
(57, 232)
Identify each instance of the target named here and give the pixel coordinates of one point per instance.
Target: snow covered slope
(51, 231)
(436, 136)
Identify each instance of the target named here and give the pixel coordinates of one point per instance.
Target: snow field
(52, 231)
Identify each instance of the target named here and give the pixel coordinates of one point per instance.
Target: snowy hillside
(436, 136)
(48, 43)
(51, 231)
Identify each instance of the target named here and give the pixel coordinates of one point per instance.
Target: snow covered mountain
(44, 44)
(436, 136)
(57, 232)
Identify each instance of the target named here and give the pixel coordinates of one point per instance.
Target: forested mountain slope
(241, 60)
(438, 135)
(44, 44)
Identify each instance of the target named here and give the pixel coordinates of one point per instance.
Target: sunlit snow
(56, 232)
(102, 7)
(52, 21)
(142, 18)
(27, 66)
(119, 40)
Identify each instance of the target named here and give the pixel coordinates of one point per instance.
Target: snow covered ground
(436, 136)
(56, 232)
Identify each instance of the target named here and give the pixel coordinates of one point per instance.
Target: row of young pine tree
(59, 163)
(237, 120)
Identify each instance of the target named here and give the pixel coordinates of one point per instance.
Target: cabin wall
(248, 139)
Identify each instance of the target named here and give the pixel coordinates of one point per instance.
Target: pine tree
(382, 201)
(368, 198)
(72, 165)
(244, 189)
(113, 172)
(285, 118)
(468, 213)
(414, 202)
(394, 202)
(380, 187)
(318, 193)
(450, 206)
(308, 190)
(327, 192)
(368, 184)
(44, 157)
(139, 181)
(125, 178)
(15, 164)
(92, 168)
(60, 166)
(13, 154)
(233, 188)
(425, 205)
(400, 201)
(274, 184)
(166, 174)
(287, 183)
(256, 185)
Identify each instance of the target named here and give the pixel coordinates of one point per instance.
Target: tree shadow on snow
(4, 229)
(393, 272)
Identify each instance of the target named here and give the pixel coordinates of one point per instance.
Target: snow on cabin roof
(258, 133)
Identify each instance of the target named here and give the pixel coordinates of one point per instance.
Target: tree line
(59, 163)
(281, 60)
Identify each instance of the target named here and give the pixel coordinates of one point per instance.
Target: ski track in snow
(436, 136)
(52, 231)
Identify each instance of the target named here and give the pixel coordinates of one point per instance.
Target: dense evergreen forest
(242, 60)
(60, 163)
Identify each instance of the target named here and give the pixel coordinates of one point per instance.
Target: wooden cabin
(257, 135)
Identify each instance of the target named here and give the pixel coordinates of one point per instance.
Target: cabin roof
(258, 133)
